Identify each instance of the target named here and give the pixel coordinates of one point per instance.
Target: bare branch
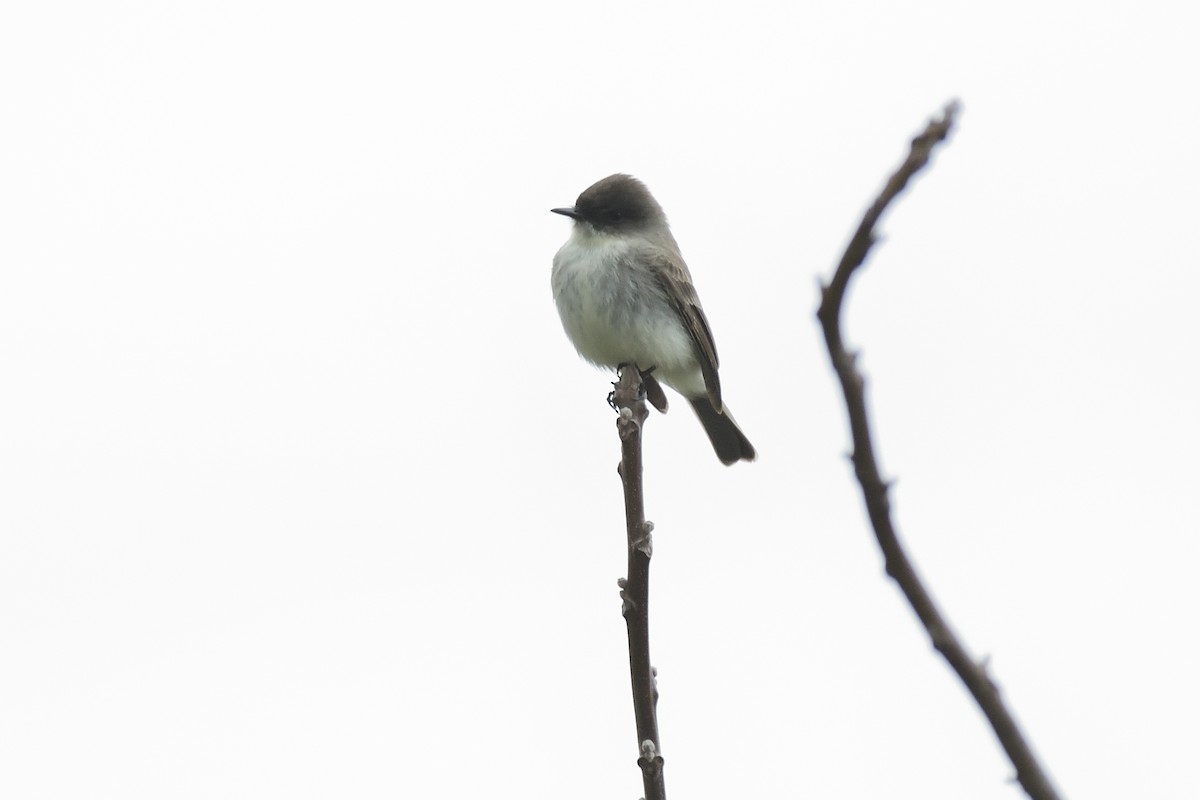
(629, 397)
(974, 674)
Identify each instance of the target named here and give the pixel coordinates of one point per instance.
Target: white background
(304, 494)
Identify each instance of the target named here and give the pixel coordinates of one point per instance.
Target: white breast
(615, 312)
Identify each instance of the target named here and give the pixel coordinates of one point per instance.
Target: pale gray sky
(304, 493)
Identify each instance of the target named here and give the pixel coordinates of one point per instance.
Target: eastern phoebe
(626, 297)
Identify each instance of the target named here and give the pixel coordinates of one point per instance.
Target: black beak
(567, 212)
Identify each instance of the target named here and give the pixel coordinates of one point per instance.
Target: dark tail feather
(726, 437)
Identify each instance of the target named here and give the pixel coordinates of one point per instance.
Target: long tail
(723, 431)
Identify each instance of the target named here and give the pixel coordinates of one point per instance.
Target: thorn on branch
(644, 544)
(650, 762)
(626, 424)
(627, 605)
(985, 667)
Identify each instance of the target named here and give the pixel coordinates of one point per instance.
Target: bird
(625, 297)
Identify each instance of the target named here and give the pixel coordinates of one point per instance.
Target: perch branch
(629, 397)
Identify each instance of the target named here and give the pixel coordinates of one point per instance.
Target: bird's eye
(615, 216)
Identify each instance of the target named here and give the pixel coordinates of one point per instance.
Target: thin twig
(1030, 774)
(630, 401)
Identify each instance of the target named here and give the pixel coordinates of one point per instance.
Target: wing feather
(672, 274)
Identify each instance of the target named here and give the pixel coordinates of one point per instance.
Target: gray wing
(672, 274)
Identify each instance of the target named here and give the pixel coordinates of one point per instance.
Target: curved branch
(974, 674)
